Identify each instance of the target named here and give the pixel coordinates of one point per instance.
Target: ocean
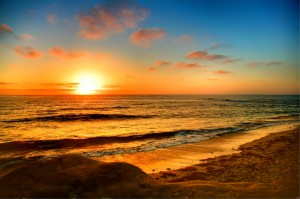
(42, 126)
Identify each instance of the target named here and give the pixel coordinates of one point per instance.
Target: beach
(255, 164)
(184, 155)
(143, 99)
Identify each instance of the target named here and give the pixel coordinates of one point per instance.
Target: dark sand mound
(76, 176)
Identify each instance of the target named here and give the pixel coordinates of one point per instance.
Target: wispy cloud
(257, 64)
(215, 46)
(6, 83)
(151, 69)
(28, 52)
(184, 38)
(146, 36)
(273, 63)
(51, 19)
(7, 31)
(60, 85)
(203, 55)
(222, 72)
(189, 65)
(26, 37)
(61, 52)
(230, 60)
(110, 17)
(162, 63)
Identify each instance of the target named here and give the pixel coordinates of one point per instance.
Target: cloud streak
(203, 55)
(61, 52)
(146, 36)
(110, 17)
(151, 69)
(229, 61)
(162, 63)
(6, 83)
(184, 65)
(257, 64)
(184, 39)
(215, 46)
(28, 52)
(222, 72)
(60, 85)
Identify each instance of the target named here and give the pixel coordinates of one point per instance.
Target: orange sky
(131, 47)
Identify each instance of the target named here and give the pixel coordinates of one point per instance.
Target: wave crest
(80, 117)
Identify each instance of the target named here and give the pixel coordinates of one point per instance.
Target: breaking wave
(80, 117)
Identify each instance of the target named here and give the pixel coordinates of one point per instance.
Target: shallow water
(101, 125)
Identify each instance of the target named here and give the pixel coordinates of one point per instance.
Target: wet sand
(266, 167)
(184, 155)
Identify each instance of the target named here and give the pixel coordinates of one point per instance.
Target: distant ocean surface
(37, 126)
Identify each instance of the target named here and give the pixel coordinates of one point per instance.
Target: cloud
(189, 65)
(5, 31)
(203, 55)
(57, 85)
(229, 61)
(61, 52)
(6, 83)
(254, 64)
(257, 64)
(151, 69)
(28, 52)
(51, 19)
(110, 17)
(184, 38)
(222, 72)
(57, 51)
(215, 46)
(146, 36)
(162, 63)
(26, 37)
(274, 63)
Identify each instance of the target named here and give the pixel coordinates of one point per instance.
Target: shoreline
(180, 156)
(267, 167)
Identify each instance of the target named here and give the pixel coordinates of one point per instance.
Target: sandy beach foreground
(262, 163)
(177, 157)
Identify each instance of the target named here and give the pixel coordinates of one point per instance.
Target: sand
(266, 167)
(190, 154)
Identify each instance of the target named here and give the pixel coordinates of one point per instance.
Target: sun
(87, 86)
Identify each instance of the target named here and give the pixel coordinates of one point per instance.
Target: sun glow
(87, 86)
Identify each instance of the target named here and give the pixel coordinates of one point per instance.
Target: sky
(149, 47)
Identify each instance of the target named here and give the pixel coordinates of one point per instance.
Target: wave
(152, 140)
(92, 109)
(77, 143)
(80, 117)
(234, 100)
(288, 116)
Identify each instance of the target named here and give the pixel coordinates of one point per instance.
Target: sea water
(103, 125)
